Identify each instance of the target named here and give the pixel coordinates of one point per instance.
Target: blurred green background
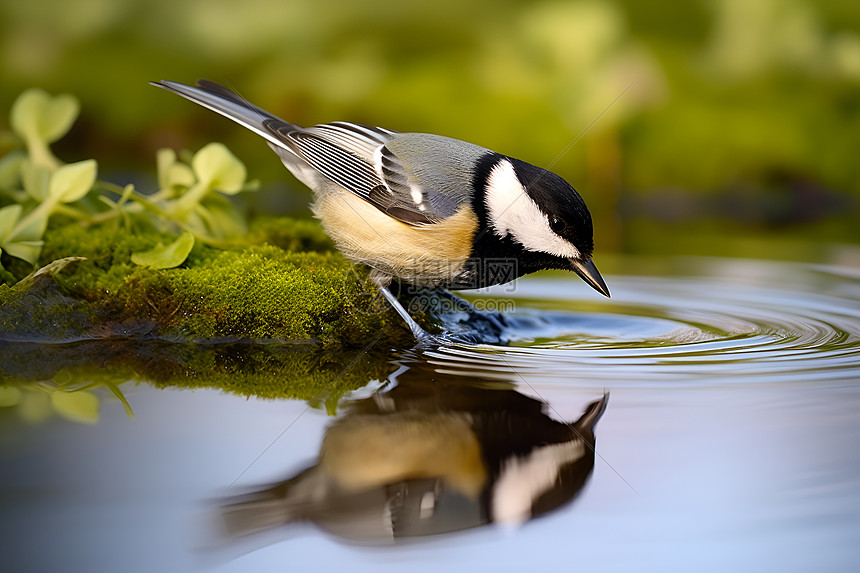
(705, 127)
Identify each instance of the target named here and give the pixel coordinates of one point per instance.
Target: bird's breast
(428, 255)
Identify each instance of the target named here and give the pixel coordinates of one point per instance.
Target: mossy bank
(282, 282)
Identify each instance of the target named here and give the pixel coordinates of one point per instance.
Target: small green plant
(178, 262)
(37, 188)
(166, 256)
(73, 401)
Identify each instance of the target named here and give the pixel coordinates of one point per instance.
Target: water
(763, 322)
(728, 442)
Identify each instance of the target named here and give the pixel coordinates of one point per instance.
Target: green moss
(257, 292)
(290, 234)
(264, 292)
(37, 308)
(107, 251)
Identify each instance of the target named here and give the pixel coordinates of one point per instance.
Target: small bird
(423, 209)
(427, 459)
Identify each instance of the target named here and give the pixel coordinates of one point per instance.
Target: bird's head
(544, 215)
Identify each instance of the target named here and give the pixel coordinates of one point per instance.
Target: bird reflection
(429, 457)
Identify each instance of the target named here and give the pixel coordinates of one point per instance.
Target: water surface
(728, 442)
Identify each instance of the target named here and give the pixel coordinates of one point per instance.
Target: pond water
(723, 396)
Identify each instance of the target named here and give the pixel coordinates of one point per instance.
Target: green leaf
(216, 168)
(25, 250)
(31, 227)
(51, 268)
(166, 256)
(10, 169)
(9, 216)
(115, 390)
(172, 173)
(221, 219)
(164, 160)
(37, 115)
(21, 242)
(71, 182)
(34, 407)
(77, 406)
(9, 396)
(36, 179)
(180, 175)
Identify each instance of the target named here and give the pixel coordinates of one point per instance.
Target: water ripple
(737, 321)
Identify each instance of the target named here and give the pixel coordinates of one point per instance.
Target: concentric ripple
(732, 321)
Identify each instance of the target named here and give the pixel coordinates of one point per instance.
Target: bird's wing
(357, 158)
(352, 156)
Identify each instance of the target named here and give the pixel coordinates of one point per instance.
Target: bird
(423, 209)
(423, 459)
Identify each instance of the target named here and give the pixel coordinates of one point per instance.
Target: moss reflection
(72, 377)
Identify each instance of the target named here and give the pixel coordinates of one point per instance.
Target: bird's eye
(557, 225)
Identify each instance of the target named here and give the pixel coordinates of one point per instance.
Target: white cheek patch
(513, 212)
(524, 480)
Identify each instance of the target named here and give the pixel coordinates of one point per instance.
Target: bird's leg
(420, 334)
(382, 280)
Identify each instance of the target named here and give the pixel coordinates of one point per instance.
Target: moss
(264, 292)
(38, 308)
(256, 292)
(290, 234)
(305, 372)
(107, 251)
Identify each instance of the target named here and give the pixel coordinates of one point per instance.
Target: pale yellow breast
(428, 255)
(363, 452)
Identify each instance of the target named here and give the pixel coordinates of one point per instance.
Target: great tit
(424, 209)
(423, 459)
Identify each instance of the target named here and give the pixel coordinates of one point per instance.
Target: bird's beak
(588, 272)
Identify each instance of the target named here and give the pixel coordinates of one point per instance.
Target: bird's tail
(255, 513)
(231, 105)
(269, 507)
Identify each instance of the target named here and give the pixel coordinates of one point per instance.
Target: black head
(566, 212)
(538, 215)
